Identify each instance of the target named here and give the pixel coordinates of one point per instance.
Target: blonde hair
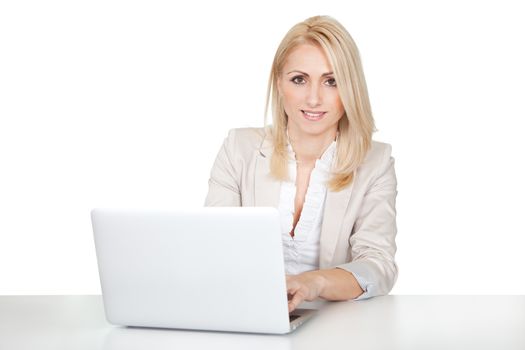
(357, 124)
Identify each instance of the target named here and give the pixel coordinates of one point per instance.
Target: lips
(313, 115)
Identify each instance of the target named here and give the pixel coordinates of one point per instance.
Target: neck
(309, 148)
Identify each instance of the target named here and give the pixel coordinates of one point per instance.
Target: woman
(335, 188)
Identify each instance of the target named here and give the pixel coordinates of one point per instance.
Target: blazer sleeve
(372, 241)
(223, 184)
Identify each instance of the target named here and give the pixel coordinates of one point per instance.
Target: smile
(314, 116)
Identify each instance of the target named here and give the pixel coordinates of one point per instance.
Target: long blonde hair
(357, 124)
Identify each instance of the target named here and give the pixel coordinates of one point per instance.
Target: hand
(305, 286)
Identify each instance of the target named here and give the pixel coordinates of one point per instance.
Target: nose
(314, 98)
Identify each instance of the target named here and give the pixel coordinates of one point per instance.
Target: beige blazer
(359, 222)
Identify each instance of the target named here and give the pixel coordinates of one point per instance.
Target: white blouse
(301, 252)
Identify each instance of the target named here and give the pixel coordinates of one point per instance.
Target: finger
(297, 299)
(292, 286)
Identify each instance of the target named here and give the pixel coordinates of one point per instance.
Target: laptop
(210, 268)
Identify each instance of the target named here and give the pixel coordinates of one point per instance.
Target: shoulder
(246, 140)
(378, 153)
(247, 136)
(378, 159)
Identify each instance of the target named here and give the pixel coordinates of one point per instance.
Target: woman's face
(309, 92)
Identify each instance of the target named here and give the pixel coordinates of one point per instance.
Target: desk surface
(389, 322)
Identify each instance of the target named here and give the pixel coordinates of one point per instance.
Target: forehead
(307, 58)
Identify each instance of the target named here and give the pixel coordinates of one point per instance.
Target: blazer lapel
(267, 189)
(336, 205)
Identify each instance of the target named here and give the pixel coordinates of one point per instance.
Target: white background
(125, 103)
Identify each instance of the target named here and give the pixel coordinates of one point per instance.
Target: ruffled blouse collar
(311, 215)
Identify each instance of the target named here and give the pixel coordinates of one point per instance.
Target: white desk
(390, 322)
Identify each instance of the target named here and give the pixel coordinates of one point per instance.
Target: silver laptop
(208, 268)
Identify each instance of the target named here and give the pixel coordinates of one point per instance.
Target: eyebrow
(298, 71)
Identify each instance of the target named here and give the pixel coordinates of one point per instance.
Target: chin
(315, 130)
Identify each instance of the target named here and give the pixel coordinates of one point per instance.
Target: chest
(301, 183)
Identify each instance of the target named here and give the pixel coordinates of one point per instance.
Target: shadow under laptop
(132, 338)
(305, 337)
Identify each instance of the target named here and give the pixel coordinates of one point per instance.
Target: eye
(331, 82)
(298, 80)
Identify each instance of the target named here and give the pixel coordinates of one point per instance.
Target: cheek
(291, 97)
(336, 102)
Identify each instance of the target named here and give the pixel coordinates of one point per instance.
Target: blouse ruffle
(301, 252)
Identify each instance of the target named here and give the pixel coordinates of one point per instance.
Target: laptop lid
(210, 268)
